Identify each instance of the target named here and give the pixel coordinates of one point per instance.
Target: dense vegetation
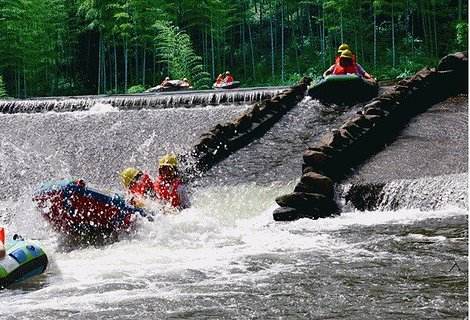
(57, 47)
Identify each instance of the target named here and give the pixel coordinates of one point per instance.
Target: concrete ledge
(370, 130)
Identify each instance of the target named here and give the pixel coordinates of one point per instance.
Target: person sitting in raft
(2, 243)
(219, 81)
(168, 186)
(166, 82)
(228, 78)
(185, 83)
(347, 65)
(138, 184)
(341, 48)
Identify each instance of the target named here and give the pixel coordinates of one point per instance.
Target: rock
(243, 123)
(315, 158)
(373, 118)
(361, 121)
(353, 129)
(373, 111)
(308, 201)
(317, 183)
(290, 214)
(334, 139)
(456, 62)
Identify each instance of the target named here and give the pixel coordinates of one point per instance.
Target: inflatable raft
(232, 85)
(74, 209)
(22, 261)
(172, 85)
(344, 89)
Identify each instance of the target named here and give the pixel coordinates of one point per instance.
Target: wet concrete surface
(433, 143)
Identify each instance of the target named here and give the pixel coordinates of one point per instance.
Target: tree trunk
(115, 67)
(272, 48)
(99, 63)
(341, 23)
(143, 64)
(393, 37)
(125, 65)
(212, 51)
(282, 41)
(375, 38)
(252, 53)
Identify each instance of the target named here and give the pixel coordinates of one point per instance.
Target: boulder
(315, 158)
(308, 201)
(353, 129)
(334, 139)
(291, 214)
(317, 183)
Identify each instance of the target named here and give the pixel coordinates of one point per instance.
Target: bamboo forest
(65, 47)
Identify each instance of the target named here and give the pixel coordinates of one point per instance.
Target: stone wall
(365, 134)
(224, 139)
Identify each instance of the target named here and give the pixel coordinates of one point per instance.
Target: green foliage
(175, 50)
(462, 35)
(51, 47)
(136, 89)
(3, 91)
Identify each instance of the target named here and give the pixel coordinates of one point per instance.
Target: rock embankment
(224, 139)
(366, 133)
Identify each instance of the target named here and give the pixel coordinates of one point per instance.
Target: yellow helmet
(168, 160)
(343, 47)
(128, 175)
(346, 54)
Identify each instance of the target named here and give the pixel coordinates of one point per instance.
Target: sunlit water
(225, 258)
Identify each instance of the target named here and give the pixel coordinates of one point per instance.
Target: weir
(187, 99)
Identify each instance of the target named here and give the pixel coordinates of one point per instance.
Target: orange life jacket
(168, 190)
(143, 186)
(339, 69)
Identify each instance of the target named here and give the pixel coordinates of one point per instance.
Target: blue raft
(23, 260)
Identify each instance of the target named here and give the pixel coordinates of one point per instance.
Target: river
(224, 258)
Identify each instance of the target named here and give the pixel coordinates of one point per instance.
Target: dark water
(225, 258)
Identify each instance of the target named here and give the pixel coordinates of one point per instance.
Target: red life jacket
(143, 186)
(339, 69)
(338, 56)
(168, 190)
(228, 78)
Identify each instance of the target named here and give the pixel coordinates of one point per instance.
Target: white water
(215, 240)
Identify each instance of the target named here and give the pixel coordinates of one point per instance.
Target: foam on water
(223, 231)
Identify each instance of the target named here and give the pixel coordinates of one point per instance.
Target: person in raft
(2, 243)
(168, 186)
(219, 81)
(346, 64)
(228, 78)
(138, 184)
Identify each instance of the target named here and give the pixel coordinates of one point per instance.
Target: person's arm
(184, 197)
(363, 72)
(328, 71)
(2, 250)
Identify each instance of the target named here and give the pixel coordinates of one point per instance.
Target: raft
(232, 85)
(74, 209)
(175, 86)
(344, 89)
(23, 260)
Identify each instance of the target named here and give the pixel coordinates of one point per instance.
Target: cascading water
(141, 101)
(223, 258)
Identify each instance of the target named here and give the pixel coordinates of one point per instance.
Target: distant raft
(344, 89)
(74, 209)
(231, 85)
(23, 260)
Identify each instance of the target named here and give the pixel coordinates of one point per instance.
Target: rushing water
(224, 258)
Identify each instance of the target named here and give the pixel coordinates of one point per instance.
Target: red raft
(72, 208)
